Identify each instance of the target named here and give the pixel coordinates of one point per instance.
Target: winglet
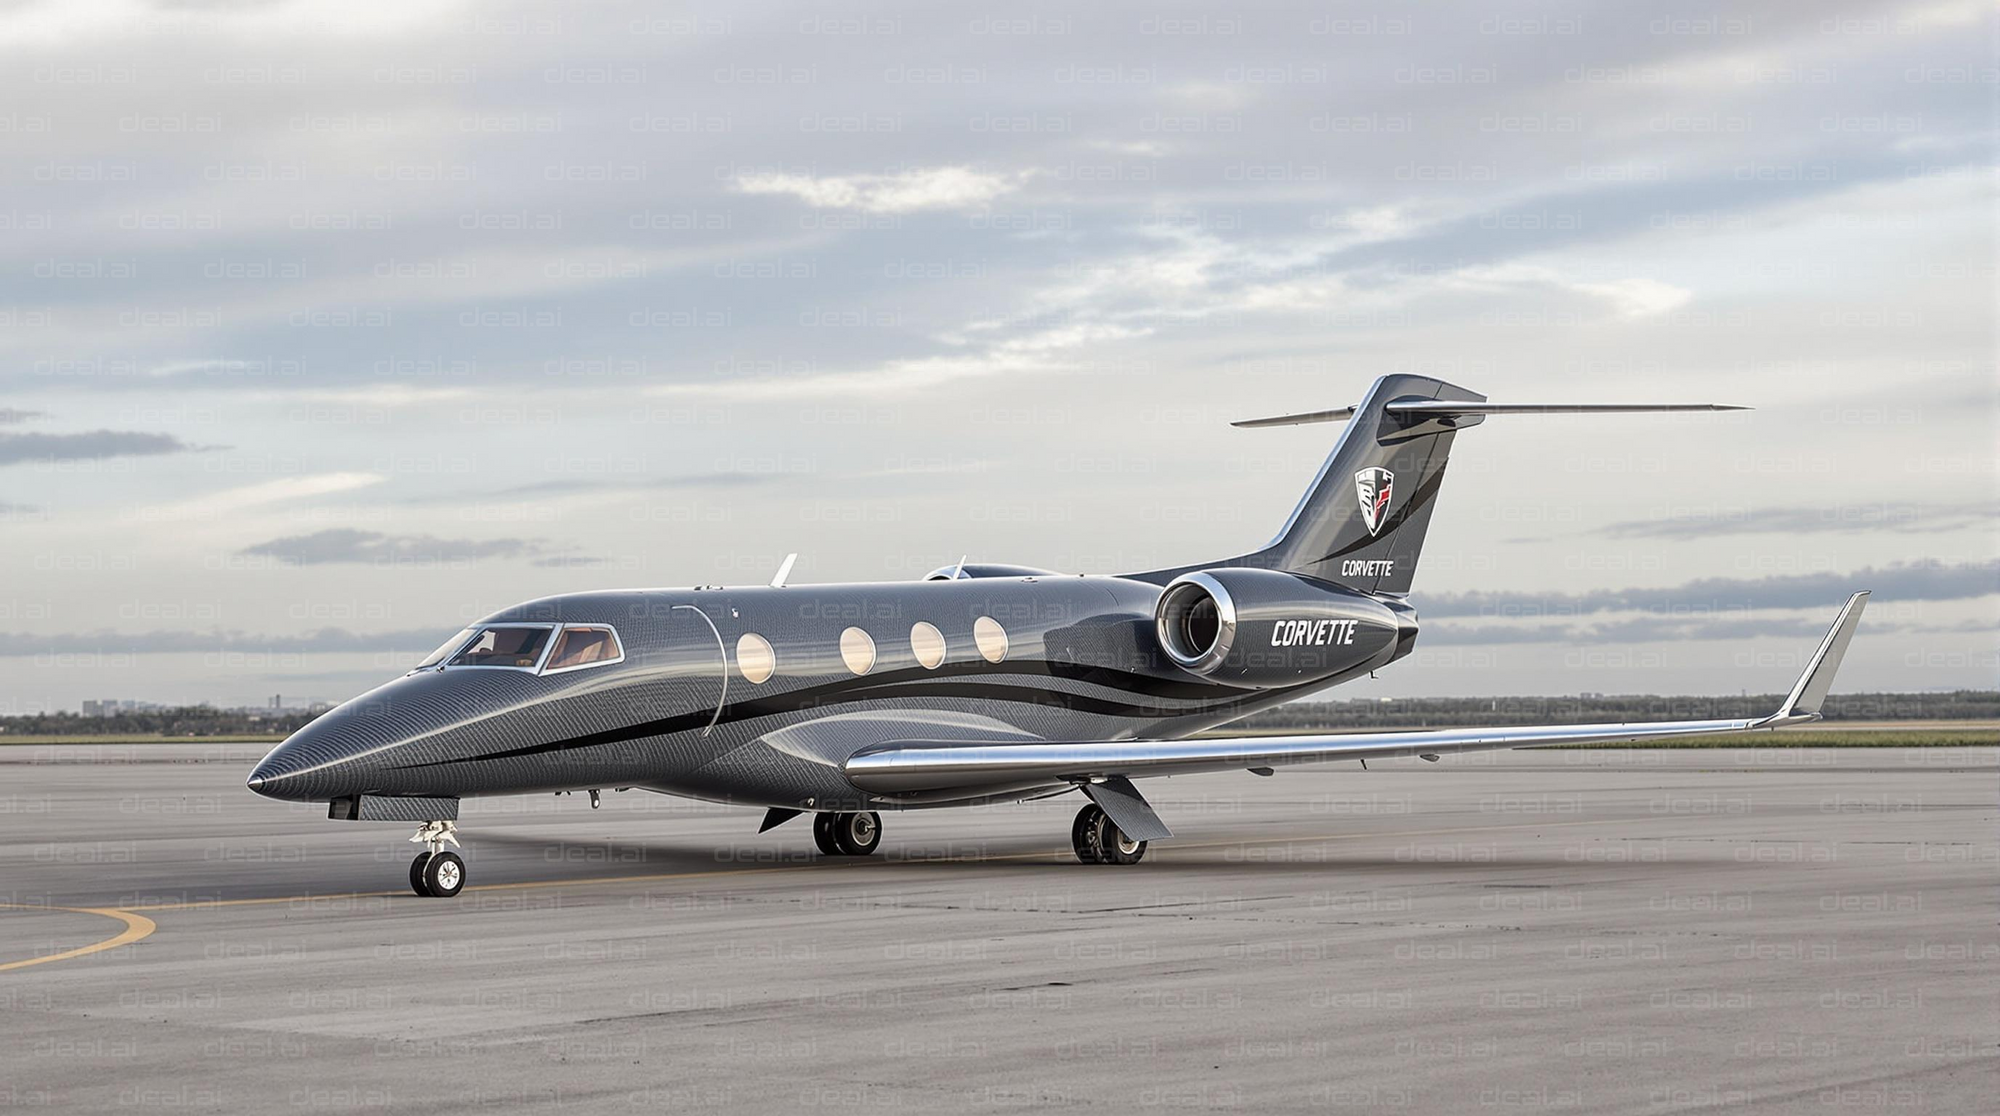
(1803, 703)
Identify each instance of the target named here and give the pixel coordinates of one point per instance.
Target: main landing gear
(435, 873)
(843, 834)
(1098, 840)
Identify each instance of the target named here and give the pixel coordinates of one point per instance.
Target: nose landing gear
(1098, 840)
(435, 873)
(847, 834)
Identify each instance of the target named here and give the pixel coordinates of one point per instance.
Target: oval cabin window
(927, 644)
(857, 650)
(754, 657)
(991, 638)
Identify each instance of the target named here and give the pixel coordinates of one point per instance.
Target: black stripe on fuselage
(917, 683)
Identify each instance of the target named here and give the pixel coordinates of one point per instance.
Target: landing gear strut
(435, 873)
(1098, 840)
(847, 834)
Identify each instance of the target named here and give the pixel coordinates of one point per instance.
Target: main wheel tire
(1083, 834)
(1113, 847)
(417, 875)
(444, 875)
(823, 834)
(857, 834)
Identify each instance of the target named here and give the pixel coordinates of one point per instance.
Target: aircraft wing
(915, 767)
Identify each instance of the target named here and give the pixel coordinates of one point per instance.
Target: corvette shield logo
(1373, 486)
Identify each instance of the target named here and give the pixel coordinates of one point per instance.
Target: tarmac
(1789, 929)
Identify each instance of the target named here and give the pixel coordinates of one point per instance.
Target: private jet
(979, 683)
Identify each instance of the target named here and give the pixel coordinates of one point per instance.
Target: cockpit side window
(503, 646)
(444, 650)
(584, 646)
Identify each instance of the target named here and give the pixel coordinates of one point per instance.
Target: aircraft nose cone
(316, 763)
(272, 773)
(390, 741)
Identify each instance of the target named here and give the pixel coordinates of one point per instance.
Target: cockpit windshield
(582, 646)
(520, 648)
(445, 649)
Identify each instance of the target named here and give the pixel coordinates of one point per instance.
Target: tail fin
(1363, 520)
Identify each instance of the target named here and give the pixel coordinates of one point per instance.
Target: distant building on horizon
(111, 707)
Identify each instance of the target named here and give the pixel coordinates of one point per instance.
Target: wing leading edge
(914, 767)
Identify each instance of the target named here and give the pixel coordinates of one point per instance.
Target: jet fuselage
(1074, 658)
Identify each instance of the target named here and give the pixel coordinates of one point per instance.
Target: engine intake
(1197, 622)
(1264, 629)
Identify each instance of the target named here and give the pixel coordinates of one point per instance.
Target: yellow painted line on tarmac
(818, 865)
(523, 885)
(137, 926)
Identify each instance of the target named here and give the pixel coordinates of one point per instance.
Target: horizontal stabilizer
(1441, 407)
(1338, 414)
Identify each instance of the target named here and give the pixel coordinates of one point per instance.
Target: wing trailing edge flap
(1128, 808)
(911, 767)
(777, 816)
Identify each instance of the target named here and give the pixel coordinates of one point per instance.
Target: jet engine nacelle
(1263, 629)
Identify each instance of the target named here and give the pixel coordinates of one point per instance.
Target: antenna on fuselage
(958, 571)
(784, 570)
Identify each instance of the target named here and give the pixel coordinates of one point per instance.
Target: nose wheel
(437, 873)
(1098, 840)
(847, 834)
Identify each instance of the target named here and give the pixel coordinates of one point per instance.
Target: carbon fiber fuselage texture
(678, 714)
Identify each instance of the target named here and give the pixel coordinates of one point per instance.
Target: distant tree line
(1957, 705)
(190, 720)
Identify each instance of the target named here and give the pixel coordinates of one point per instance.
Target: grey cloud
(12, 415)
(348, 545)
(1643, 630)
(1838, 517)
(577, 486)
(17, 448)
(1271, 124)
(1912, 581)
(1674, 630)
(338, 683)
(580, 562)
(587, 484)
(1975, 626)
(169, 641)
(542, 244)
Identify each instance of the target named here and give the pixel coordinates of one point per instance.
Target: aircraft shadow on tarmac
(585, 861)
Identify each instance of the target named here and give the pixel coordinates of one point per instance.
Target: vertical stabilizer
(1363, 520)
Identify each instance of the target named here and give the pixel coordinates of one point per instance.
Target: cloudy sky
(326, 327)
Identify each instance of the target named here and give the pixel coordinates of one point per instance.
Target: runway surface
(1637, 931)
